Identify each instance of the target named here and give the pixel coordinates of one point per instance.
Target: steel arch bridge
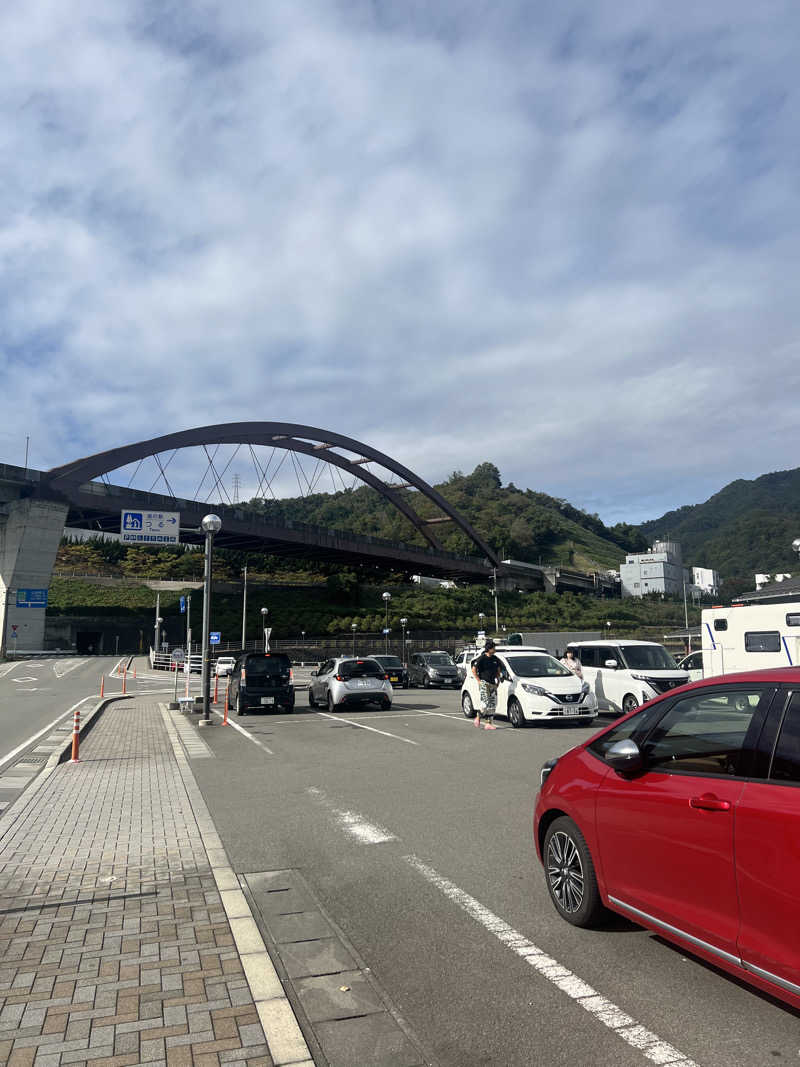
(97, 504)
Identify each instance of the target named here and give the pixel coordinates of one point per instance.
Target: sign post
(177, 658)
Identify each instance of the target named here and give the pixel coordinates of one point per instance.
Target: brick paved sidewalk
(114, 945)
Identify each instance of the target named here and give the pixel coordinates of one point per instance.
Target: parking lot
(413, 830)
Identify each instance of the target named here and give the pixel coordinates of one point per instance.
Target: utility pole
(244, 609)
(494, 594)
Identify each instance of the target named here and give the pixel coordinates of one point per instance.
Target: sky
(560, 237)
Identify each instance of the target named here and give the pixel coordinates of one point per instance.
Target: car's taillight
(386, 677)
(244, 676)
(339, 678)
(291, 675)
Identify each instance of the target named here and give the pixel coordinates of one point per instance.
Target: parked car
(534, 687)
(683, 817)
(345, 680)
(693, 665)
(224, 665)
(434, 668)
(261, 681)
(394, 667)
(624, 674)
(463, 660)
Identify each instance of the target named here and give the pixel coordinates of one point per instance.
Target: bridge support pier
(30, 532)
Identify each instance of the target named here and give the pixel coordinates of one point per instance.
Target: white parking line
(246, 733)
(649, 1044)
(351, 822)
(361, 726)
(7, 668)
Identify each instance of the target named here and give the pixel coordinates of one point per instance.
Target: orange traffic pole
(225, 716)
(102, 683)
(216, 688)
(76, 730)
(134, 669)
(124, 679)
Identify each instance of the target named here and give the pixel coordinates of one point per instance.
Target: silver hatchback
(347, 681)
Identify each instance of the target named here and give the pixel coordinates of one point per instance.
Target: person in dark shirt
(486, 668)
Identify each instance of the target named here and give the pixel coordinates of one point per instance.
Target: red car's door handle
(708, 802)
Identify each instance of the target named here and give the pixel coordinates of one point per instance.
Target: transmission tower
(237, 484)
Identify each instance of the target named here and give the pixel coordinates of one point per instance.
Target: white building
(704, 580)
(659, 570)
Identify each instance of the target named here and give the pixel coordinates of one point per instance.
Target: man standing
(486, 668)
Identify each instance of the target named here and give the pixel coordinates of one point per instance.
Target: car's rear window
(266, 666)
(360, 668)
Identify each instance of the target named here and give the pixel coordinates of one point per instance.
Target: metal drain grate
(33, 759)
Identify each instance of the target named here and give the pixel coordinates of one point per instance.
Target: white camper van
(750, 637)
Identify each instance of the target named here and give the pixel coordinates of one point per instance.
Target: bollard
(102, 683)
(225, 716)
(216, 687)
(124, 680)
(134, 669)
(76, 729)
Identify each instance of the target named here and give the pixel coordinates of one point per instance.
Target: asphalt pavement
(409, 831)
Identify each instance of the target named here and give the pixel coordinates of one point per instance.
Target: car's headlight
(585, 688)
(642, 678)
(544, 774)
(536, 690)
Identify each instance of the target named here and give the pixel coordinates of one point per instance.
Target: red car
(685, 817)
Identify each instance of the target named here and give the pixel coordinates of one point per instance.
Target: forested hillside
(519, 524)
(746, 527)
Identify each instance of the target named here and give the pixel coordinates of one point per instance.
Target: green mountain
(746, 527)
(519, 523)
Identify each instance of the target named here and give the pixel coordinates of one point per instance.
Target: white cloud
(559, 239)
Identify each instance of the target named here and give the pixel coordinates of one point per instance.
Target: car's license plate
(393, 678)
(268, 700)
(363, 683)
(572, 711)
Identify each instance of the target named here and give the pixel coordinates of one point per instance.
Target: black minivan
(261, 681)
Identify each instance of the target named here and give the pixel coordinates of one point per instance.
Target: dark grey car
(430, 669)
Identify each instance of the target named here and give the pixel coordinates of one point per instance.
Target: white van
(750, 637)
(624, 674)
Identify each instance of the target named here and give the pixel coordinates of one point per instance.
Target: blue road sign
(183, 605)
(150, 527)
(214, 637)
(31, 598)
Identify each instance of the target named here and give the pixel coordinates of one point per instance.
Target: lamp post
(211, 525)
(244, 609)
(386, 598)
(353, 627)
(158, 622)
(481, 620)
(494, 594)
(264, 613)
(403, 623)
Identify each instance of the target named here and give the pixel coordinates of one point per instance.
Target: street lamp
(481, 619)
(494, 594)
(403, 624)
(211, 525)
(264, 613)
(353, 627)
(386, 598)
(159, 620)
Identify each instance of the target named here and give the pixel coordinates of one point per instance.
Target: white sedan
(224, 665)
(534, 687)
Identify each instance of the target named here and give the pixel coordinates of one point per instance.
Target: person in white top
(572, 663)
